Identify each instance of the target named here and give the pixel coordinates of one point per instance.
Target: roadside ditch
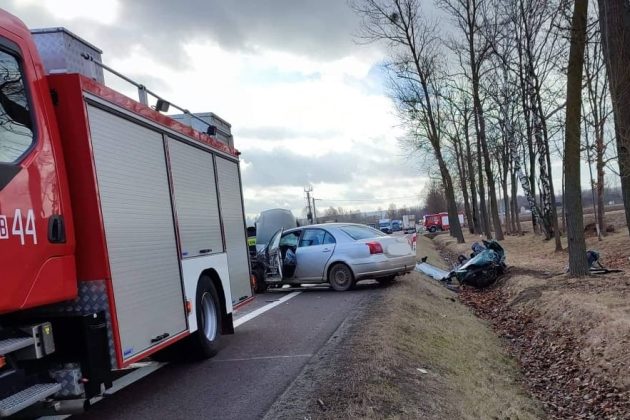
(413, 351)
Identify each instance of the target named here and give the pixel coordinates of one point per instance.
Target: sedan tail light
(375, 247)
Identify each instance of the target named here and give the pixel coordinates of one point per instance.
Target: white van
(271, 221)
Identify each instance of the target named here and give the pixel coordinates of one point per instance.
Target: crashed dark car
(484, 267)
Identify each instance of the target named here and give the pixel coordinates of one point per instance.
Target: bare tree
(540, 52)
(458, 117)
(416, 70)
(596, 116)
(614, 21)
(468, 16)
(434, 199)
(391, 211)
(513, 115)
(575, 224)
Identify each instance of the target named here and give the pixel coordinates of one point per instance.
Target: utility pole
(315, 210)
(308, 189)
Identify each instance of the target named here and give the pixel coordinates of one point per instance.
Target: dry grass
(374, 371)
(596, 310)
(426, 248)
(463, 356)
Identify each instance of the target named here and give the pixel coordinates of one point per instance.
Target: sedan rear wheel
(340, 277)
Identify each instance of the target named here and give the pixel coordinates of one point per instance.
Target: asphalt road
(253, 368)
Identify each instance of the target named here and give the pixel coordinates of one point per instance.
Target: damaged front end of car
(486, 265)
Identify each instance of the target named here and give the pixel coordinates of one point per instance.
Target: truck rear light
(3, 362)
(375, 247)
(189, 307)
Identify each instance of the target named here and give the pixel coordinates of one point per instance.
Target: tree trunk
(564, 200)
(600, 182)
(546, 175)
(515, 209)
(615, 28)
(455, 227)
(599, 170)
(554, 208)
(467, 209)
(461, 168)
(525, 95)
(532, 156)
(473, 221)
(575, 224)
(506, 203)
(481, 134)
(589, 162)
(485, 223)
(473, 187)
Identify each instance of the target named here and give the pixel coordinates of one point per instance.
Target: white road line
(263, 358)
(264, 309)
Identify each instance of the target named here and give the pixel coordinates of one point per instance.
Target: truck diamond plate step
(26, 398)
(9, 345)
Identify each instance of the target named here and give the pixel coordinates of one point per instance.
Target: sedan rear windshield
(361, 232)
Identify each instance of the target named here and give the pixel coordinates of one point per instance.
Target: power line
(371, 199)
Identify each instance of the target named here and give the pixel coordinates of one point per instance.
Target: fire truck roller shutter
(234, 227)
(138, 222)
(195, 192)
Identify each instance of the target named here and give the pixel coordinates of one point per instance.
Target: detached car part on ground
(486, 264)
(337, 253)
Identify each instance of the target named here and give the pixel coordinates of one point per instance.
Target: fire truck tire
(258, 283)
(432, 229)
(205, 341)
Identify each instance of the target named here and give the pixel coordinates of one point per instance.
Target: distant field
(526, 217)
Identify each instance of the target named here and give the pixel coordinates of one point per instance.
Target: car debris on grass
(485, 266)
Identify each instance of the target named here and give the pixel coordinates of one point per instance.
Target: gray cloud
(282, 167)
(282, 133)
(254, 206)
(315, 28)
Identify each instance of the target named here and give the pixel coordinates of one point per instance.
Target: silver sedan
(338, 253)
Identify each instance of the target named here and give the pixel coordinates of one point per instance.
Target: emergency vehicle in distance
(439, 221)
(122, 231)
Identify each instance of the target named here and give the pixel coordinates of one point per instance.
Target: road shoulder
(411, 352)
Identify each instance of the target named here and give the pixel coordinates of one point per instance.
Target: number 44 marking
(22, 227)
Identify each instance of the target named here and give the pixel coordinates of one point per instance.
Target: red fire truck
(122, 231)
(439, 221)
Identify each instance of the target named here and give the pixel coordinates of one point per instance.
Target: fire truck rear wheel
(432, 229)
(206, 339)
(258, 283)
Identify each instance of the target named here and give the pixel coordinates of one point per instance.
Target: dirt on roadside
(571, 336)
(414, 352)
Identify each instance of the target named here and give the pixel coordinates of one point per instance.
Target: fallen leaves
(554, 370)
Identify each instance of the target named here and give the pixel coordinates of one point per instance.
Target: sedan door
(273, 271)
(315, 249)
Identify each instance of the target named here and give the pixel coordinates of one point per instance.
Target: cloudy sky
(306, 102)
